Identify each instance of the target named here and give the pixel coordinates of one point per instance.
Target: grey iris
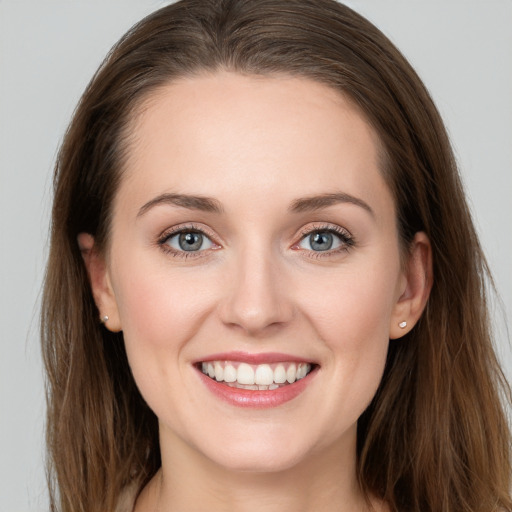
(190, 241)
(321, 241)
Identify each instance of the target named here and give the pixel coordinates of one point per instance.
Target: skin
(255, 145)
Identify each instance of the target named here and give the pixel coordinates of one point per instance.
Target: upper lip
(255, 358)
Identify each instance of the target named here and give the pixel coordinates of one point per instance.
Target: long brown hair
(435, 437)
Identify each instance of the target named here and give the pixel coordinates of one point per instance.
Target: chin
(259, 462)
(264, 456)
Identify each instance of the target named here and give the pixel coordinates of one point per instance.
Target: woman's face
(254, 238)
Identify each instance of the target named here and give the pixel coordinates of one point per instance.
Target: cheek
(352, 317)
(353, 308)
(159, 309)
(160, 312)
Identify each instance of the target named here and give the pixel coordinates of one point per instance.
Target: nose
(256, 298)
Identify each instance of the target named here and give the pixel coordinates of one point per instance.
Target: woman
(281, 296)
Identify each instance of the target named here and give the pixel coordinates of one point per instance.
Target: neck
(188, 481)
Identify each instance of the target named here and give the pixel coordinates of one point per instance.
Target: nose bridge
(256, 297)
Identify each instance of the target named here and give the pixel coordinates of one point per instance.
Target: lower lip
(257, 399)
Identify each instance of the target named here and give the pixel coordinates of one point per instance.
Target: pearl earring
(402, 325)
(104, 319)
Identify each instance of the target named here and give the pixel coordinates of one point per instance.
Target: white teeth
(229, 373)
(219, 371)
(245, 374)
(261, 377)
(279, 374)
(291, 373)
(264, 375)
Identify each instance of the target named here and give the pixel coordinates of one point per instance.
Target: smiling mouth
(260, 377)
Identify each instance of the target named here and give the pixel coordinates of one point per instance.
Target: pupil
(321, 241)
(191, 241)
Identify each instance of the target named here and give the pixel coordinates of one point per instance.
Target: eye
(187, 241)
(326, 239)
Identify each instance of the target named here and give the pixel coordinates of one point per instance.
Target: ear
(99, 279)
(415, 287)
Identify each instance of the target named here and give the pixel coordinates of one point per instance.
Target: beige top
(126, 501)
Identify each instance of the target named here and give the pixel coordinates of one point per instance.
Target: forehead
(226, 131)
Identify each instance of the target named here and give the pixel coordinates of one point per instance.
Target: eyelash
(346, 239)
(191, 228)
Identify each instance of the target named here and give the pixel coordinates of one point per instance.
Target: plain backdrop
(49, 49)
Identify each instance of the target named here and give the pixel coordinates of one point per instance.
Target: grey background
(49, 49)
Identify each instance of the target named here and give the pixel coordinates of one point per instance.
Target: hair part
(435, 436)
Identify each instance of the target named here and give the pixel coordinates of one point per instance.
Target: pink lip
(257, 399)
(245, 357)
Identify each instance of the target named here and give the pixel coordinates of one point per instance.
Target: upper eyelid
(173, 231)
(333, 228)
(346, 238)
(184, 228)
(302, 233)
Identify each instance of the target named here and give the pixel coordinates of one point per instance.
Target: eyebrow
(208, 204)
(205, 204)
(313, 203)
